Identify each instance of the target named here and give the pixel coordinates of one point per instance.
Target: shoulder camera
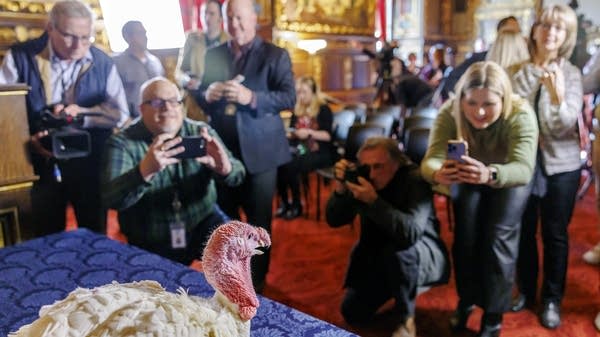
(64, 139)
(352, 175)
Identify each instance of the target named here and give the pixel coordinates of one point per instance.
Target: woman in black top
(310, 143)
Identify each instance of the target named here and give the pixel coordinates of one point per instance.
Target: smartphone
(456, 149)
(194, 147)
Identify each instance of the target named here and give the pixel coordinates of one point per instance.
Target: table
(43, 270)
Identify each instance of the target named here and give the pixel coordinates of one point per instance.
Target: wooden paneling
(16, 171)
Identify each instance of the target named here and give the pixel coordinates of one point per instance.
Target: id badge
(178, 235)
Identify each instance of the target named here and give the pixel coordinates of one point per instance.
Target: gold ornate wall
(23, 20)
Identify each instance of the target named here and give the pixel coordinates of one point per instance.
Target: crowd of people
(514, 111)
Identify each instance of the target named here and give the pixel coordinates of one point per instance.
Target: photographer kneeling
(399, 248)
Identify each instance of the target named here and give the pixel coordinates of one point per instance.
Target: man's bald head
(240, 20)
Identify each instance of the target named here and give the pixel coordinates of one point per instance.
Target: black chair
(415, 142)
(360, 111)
(357, 135)
(394, 110)
(342, 121)
(425, 111)
(385, 120)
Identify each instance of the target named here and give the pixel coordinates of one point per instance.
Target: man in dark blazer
(399, 248)
(246, 83)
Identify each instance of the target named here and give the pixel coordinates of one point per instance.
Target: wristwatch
(493, 175)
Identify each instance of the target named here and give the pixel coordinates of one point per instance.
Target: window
(162, 20)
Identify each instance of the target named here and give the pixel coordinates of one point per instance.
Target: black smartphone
(456, 149)
(194, 147)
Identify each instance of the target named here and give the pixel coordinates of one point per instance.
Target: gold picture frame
(346, 17)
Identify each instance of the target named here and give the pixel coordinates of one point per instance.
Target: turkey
(145, 308)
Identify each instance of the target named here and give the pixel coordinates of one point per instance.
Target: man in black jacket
(399, 248)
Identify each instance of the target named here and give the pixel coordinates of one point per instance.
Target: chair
(342, 121)
(357, 135)
(394, 110)
(415, 142)
(425, 111)
(412, 122)
(359, 109)
(385, 120)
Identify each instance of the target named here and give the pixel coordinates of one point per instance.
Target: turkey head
(226, 263)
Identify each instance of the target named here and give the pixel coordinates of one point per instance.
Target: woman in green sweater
(488, 186)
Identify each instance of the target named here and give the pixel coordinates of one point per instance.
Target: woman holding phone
(488, 186)
(554, 88)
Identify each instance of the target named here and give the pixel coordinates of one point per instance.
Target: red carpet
(309, 261)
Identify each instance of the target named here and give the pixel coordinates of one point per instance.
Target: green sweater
(509, 145)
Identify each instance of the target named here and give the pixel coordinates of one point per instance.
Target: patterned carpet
(309, 261)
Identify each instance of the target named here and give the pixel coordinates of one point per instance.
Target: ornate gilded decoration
(23, 20)
(326, 16)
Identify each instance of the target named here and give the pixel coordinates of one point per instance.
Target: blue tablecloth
(41, 271)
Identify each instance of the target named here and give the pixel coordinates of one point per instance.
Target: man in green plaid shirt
(166, 205)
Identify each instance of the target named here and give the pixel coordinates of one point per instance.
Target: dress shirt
(134, 72)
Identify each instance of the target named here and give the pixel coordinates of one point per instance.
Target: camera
(385, 57)
(64, 139)
(352, 175)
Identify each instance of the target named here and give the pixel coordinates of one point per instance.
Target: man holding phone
(165, 191)
(399, 248)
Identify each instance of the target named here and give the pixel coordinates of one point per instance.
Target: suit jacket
(255, 135)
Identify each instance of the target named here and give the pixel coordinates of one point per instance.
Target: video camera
(385, 57)
(65, 140)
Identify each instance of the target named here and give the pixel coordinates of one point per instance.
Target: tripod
(382, 89)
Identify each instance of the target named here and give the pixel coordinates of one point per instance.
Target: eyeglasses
(159, 103)
(70, 38)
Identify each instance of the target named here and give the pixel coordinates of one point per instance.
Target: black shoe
(517, 303)
(520, 302)
(293, 212)
(550, 317)
(491, 324)
(490, 330)
(458, 321)
(282, 210)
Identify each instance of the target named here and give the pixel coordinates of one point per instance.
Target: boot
(283, 208)
(458, 321)
(491, 324)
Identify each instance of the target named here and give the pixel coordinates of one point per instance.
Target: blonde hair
(480, 75)
(312, 109)
(557, 14)
(509, 49)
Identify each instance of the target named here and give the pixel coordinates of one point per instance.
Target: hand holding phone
(194, 147)
(456, 149)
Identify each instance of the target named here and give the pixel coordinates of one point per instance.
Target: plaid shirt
(145, 208)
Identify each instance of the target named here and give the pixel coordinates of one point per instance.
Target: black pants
(80, 186)
(395, 277)
(255, 197)
(486, 242)
(288, 175)
(555, 210)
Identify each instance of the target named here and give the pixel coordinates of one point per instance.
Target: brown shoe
(408, 329)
